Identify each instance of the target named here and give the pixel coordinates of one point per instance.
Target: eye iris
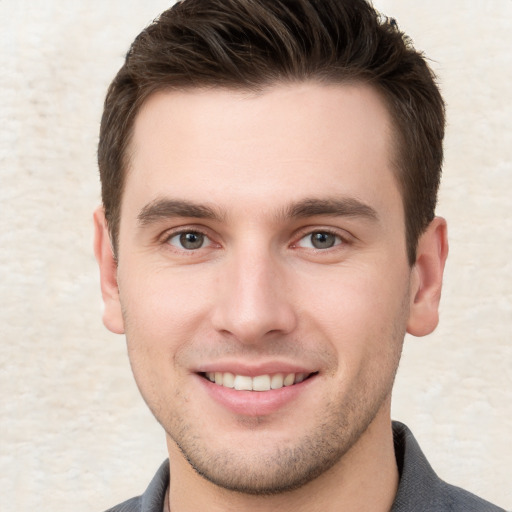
(323, 240)
(191, 240)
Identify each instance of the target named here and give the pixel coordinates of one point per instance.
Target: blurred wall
(74, 433)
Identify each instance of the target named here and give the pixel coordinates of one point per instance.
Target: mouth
(266, 382)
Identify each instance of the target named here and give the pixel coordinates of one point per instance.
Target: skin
(243, 171)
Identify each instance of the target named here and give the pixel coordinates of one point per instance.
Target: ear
(427, 279)
(112, 313)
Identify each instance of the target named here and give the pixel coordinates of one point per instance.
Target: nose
(254, 302)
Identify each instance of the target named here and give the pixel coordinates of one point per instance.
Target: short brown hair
(249, 44)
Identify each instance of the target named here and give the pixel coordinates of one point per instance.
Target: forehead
(288, 140)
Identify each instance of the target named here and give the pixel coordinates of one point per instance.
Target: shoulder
(420, 489)
(153, 498)
(455, 499)
(132, 505)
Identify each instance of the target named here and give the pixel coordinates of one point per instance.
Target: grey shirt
(420, 489)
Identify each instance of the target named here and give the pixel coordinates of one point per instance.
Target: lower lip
(255, 403)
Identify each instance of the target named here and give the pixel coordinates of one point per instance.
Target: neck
(366, 478)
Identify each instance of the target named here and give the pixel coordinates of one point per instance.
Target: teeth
(228, 380)
(289, 379)
(258, 383)
(243, 383)
(276, 381)
(261, 383)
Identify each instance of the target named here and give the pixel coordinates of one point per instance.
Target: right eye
(189, 240)
(320, 240)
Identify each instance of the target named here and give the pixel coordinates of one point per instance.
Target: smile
(265, 382)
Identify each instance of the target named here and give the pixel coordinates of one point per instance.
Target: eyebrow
(338, 207)
(160, 209)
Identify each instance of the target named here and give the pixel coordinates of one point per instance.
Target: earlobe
(112, 314)
(427, 279)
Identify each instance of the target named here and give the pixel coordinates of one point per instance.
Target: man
(267, 237)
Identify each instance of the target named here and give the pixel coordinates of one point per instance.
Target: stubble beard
(283, 468)
(274, 470)
(277, 469)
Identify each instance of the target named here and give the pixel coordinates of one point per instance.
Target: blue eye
(320, 240)
(189, 240)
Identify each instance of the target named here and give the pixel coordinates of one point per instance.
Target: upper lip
(253, 370)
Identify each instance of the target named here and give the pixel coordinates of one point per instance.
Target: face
(262, 279)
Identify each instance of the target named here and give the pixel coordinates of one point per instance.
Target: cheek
(360, 311)
(161, 313)
(162, 303)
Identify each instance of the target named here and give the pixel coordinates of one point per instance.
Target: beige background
(74, 433)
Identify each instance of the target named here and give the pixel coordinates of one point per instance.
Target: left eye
(320, 240)
(189, 240)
